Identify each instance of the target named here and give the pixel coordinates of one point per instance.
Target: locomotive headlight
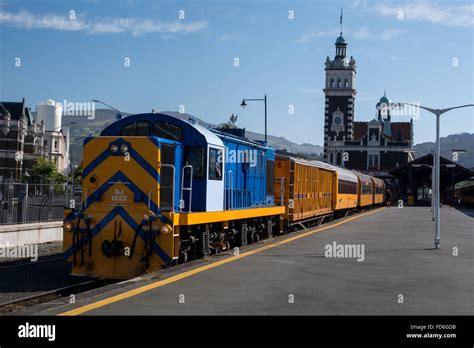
(68, 227)
(124, 148)
(113, 148)
(165, 229)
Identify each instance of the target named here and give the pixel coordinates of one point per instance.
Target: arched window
(346, 83)
(338, 82)
(332, 82)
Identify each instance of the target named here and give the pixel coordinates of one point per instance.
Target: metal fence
(28, 203)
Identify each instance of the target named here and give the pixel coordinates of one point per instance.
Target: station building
(376, 147)
(23, 139)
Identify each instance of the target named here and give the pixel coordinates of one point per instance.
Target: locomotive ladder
(189, 188)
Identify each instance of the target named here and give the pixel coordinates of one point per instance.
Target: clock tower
(339, 93)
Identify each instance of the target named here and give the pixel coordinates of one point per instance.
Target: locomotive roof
(211, 137)
(229, 136)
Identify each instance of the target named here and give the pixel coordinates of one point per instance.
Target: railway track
(23, 263)
(46, 296)
(16, 271)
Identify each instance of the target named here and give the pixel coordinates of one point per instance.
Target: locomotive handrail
(85, 199)
(190, 188)
(231, 176)
(172, 193)
(282, 190)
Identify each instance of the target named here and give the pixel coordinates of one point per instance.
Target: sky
(205, 56)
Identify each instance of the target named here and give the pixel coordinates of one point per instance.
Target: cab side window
(195, 157)
(215, 164)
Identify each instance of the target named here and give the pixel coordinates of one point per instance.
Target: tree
(233, 120)
(231, 123)
(45, 171)
(77, 175)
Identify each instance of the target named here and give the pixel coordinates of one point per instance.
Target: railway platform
(374, 263)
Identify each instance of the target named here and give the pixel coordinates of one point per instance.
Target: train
(466, 194)
(159, 190)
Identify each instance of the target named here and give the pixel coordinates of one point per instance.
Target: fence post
(51, 198)
(25, 204)
(11, 188)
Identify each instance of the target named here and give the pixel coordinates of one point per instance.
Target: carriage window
(347, 187)
(143, 128)
(166, 130)
(215, 164)
(128, 130)
(195, 158)
(366, 189)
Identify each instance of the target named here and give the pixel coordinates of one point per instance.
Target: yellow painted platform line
(189, 273)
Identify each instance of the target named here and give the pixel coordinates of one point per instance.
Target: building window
(338, 82)
(215, 164)
(56, 145)
(346, 83)
(373, 160)
(332, 82)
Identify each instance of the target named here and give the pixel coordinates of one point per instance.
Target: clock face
(337, 120)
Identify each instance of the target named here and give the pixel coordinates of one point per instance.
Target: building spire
(340, 20)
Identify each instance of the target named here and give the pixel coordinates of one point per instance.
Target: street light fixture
(118, 116)
(438, 113)
(264, 99)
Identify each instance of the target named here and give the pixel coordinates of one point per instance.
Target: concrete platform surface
(400, 274)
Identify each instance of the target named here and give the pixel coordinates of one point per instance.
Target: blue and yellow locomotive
(159, 190)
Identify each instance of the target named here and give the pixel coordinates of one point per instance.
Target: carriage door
(167, 176)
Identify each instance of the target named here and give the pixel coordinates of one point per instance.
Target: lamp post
(264, 99)
(438, 113)
(119, 115)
